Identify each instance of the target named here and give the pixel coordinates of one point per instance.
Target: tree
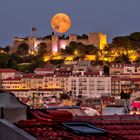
(84, 36)
(36, 63)
(57, 61)
(90, 49)
(15, 57)
(122, 58)
(6, 49)
(23, 68)
(106, 70)
(71, 48)
(135, 36)
(124, 95)
(22, 49)
(4, 60)
(42, 49)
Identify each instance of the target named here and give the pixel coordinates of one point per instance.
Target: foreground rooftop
(48, 124)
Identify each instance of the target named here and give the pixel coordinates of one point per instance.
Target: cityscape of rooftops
(70, 70)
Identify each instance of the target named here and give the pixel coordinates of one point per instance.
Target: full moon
(61, 22)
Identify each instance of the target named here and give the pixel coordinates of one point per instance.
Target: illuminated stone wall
(32, 42)
(103, 40)
(54, 43)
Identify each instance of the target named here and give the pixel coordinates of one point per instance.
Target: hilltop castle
(54, 42)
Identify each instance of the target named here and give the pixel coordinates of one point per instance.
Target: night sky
(113, 17)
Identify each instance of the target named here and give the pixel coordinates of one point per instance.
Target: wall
(8, 131)
(54, 43)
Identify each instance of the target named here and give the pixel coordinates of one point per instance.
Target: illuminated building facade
(77, 82)
(90, 85)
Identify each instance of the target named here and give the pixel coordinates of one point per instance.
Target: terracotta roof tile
(7, 70)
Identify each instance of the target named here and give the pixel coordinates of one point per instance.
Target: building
(41, 71)
(12, 83)
(131, 68)
(122, 68)
(115, 87)
(7, 72)
(116, 68)
(54, 42)
(89, 85)
(56, 81)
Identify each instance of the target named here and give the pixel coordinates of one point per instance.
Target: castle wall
(83, 41)
(93, 38)
(72, 37)
(32, 42)
(16, 43)
(53, 44)
(63, 43)
(47, 42)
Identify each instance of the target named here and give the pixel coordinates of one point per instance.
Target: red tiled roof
(64, 69)
(130, 79)
(49, 75)
(57, 75)
(91, 73)
(12, 79)
(38, 76)
(30, 75)
(124, 79)
(43, 124)
(44, 69)
(126, 126)
(2, 70)
(11, 90)
(62, 75)
(54, 89)
(137, 99)
(115, 78)
(76, 74)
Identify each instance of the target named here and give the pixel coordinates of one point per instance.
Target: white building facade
(90, 86)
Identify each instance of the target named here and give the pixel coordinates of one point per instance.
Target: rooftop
(45, 124)
(7, 70)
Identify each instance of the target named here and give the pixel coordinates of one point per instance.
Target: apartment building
(89, 85)
(85, 84)
(12, 83)
(116, 86)
(56, 81)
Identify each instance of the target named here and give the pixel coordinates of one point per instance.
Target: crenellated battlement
(54, 43)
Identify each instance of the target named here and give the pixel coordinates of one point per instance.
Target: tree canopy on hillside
(23, 49)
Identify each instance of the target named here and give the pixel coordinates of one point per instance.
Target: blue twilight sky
(113, 17)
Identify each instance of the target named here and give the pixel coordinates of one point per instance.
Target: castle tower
(55, 43)
(103, 40)
(93, 39)
(32, 44)
(72, 37)
(97, 39)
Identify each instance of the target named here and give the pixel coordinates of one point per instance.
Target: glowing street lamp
(75, 52)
